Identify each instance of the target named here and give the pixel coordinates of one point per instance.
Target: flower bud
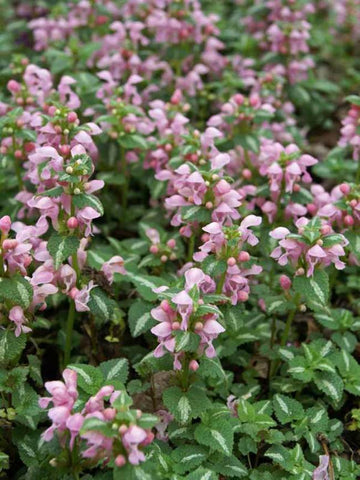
(120, 461)
(175, 326)
(231, 261)
(300, 271)
(345, 188)
(243, 296)
(302, 308)
(164, 258)
(349, 220)
(72, 223)
(13, 86)
(353, 203)
(73, 292)
(122, 429)
(199, 326)
(72, 117)
(176, 97)
(5, 224)
(246, 173)
(171, 243)
(52, 110)
(109, 413)
(312, 209)
(18, 154)
(244, 256)
(325, 230)
(193, 365)
(239, 99)
(9, 244)
(154, 249)
(285, 282)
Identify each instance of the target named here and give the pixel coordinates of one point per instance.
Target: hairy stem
(69, 332)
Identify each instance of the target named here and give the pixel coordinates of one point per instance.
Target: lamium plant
(179, 240)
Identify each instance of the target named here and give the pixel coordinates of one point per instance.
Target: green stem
(123, 165)
(75, 265)
(284, 338)
(69, 332)
(220, 285)
(273, 331)
(185, 374)
(18, 174)
(191, 247)
(285, 335)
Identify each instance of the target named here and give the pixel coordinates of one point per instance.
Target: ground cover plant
(180, 240)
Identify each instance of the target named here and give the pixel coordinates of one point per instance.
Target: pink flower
(321, 472)
(17, 316)
(246, 233)
(114, 265)
(132, 438)
(184, 306)
(82, 297)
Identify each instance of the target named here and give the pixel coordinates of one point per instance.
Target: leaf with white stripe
(331, 384)
(89, 378)
(61, 247)
(230, 467)
(115, 369)
(139, 317)
(16, 290)
(202, 474)
(219, 436)
(188, 457)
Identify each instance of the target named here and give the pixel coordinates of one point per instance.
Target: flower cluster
(314, 245)
(186, 315)
(106, 424)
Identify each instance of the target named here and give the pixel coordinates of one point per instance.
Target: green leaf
(115, 369)
(202, 474)
(35, 369)
(97, 425)
(185, 405)
(87, 200)
(230, 467)
(60, 248)
(331, 384)
(195, 213)
(139, 317)
(248, 142)
(188, 457)
(11, 347)
(145, 284)
(186, 341)
(100, 305)
(53, 192)
(353, 99)
(17, 290)
(287, 409)
(4, 461)
(314, 289)
(89, 378)
(133, 141)
(218, 436)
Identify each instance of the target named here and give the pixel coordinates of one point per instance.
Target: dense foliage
(180, 240)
